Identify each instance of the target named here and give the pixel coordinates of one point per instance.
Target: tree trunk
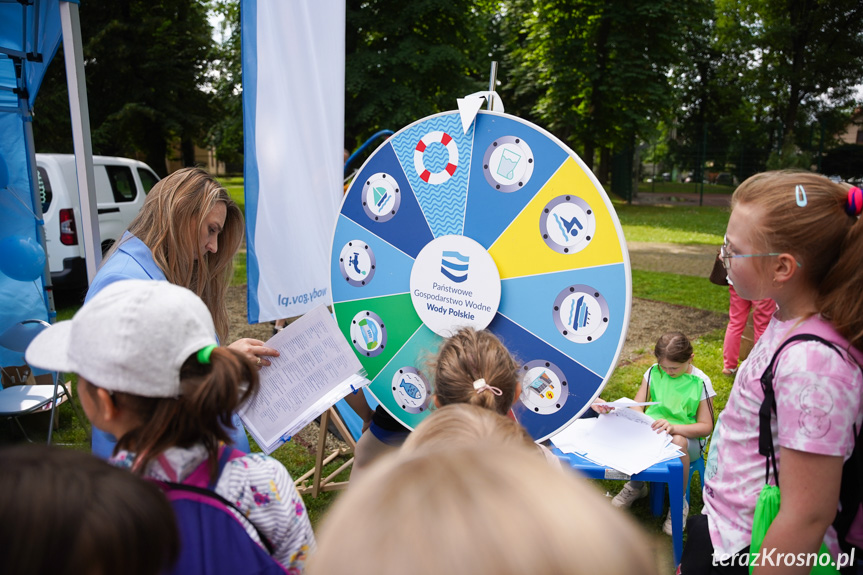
(187, 151)
(604, 165)
(589, 151)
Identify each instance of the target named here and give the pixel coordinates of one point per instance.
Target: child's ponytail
(211, 391)
(840, 300)
(474, 367)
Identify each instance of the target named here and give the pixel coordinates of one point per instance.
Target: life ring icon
(452, 163)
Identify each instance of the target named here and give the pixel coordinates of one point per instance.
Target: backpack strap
(200, 483)
(649, 375)
(768, 406)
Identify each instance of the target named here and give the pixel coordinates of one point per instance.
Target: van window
(148, 179)
(44, 189)
(122, 183)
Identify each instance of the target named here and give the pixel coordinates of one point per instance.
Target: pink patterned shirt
(818, 397)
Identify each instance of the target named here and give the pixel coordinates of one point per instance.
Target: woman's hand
(599, 406)
(661, 425)
(255, 350)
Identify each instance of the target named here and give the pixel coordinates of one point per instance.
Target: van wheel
(106, 245)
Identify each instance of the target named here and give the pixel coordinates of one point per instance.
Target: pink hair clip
(480, 385)
(854, 203)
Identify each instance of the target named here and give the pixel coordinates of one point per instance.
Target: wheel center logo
(454, 266)
(454, 283)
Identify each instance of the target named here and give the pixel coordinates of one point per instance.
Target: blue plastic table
(670, 472)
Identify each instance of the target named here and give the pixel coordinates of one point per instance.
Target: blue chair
(670, 472)
(19, 400)
(697, 465)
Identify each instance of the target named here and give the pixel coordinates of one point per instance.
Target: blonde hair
(487, 510)
(822, 237)
(468, 356)
(461, 424)
(170, 224)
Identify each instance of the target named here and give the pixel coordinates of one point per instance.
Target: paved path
(682, 259)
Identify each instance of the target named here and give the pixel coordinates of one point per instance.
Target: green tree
(598, 72)
(145, 64)
(225, 80)
(406, 60)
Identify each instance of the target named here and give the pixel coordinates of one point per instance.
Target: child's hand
(600, 407)
(661, 425)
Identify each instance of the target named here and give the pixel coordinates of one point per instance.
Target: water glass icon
(508, 161)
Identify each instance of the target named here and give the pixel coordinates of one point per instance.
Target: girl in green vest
(684, 409)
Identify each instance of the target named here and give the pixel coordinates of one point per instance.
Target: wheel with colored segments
(502, 227)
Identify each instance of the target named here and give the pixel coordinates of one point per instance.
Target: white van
(121, 186)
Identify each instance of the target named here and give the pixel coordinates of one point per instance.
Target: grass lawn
(671, 188)
(673, 224)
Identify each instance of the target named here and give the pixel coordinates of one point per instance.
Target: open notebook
(317, 367)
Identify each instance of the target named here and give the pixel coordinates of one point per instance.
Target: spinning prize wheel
(502, 227)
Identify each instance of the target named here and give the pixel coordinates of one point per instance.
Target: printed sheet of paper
(316, 368)
(621, 439)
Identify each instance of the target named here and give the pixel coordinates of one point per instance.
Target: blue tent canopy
(29, 36)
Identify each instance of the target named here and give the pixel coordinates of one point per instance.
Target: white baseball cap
(133, 336)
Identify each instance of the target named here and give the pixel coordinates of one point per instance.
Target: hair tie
(854, 203)
(480, 385)
(204, 354)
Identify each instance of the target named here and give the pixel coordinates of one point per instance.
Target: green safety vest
(678, 397)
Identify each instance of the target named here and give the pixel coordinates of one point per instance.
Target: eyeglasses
(726, 255)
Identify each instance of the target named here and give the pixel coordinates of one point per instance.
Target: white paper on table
(575, 437)
(622, 439)
(624, 402)
(315, 369)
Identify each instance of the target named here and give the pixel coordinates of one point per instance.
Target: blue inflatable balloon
(21, 258)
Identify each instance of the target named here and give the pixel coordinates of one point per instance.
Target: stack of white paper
(622, 440)
(316, 368)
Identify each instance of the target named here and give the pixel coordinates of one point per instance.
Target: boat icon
(578, 315)
(381, 196)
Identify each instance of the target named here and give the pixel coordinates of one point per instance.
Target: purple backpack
(213, 541)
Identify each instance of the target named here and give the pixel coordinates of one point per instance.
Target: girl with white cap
(150, 373)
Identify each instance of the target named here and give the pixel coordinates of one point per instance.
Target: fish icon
(410, 389)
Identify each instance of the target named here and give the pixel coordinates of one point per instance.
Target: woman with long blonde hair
(186, 233)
